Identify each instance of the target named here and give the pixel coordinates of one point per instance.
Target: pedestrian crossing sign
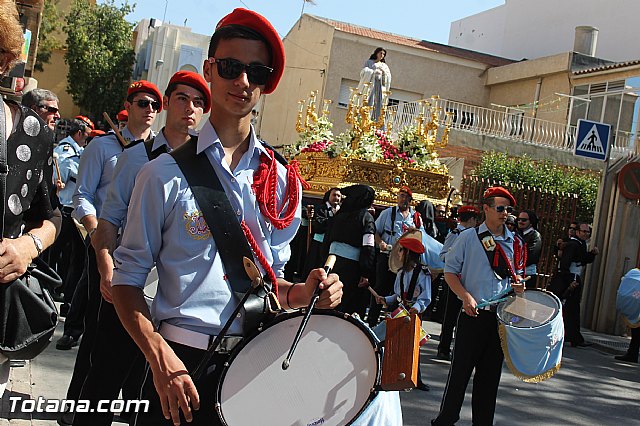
(592, 139)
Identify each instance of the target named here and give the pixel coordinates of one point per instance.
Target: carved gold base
(323, 173)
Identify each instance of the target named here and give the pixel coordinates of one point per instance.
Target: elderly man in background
(45, 103)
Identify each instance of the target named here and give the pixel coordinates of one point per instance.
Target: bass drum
(331, 379)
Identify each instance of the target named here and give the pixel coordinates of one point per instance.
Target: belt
(197, 340)
(490, 308)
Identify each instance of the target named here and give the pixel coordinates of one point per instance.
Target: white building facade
(532, 29)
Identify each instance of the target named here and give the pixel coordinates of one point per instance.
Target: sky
(422, 19)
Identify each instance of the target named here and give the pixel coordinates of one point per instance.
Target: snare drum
(331, 379)
(532, 334)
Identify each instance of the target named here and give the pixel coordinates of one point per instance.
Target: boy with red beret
(115, 359)
(166, 226)
(474, 278)
(95, 174)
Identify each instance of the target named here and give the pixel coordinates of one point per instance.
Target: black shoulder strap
(4, 168)
(130, 144)
(72, 147)
(496, 261)
(393, 220)
(218, 212)
(413, 282)
(151, 153)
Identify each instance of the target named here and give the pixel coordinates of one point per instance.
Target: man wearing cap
(474, 279)
(122, 117)
(68, 251)
(115, 357)
(95, 173)
(165, 226)
(390, 225)
(467, 219)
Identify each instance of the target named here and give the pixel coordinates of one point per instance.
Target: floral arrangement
(374, 145)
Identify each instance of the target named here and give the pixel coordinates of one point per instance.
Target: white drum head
(329, 381)
(533, 308)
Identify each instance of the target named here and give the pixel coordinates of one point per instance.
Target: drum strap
(496, 256)
(230, 240)
(412, 284)
(151, 153)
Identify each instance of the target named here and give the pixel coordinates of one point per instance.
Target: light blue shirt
(127, 168)
(468, 258)
(449, 240)
(421, 296)
(384, 227)
(165, 226)
(67, 147)
(69, 153)
(96, 173)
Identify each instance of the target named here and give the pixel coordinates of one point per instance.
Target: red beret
(407, 190)
(258, 23)
(196, 81)
(85, 120)
(498, 191)
(146, 87)
(95, 133)
(412, 244)
(123, 115)
(468, 209)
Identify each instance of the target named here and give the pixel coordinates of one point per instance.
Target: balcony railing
(507, 125)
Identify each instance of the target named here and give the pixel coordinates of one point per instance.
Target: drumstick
(214, 345)
(115, 129)
(328, 266)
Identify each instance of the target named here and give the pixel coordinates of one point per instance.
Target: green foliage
(99, 54)
(545, 174)
(47, 37)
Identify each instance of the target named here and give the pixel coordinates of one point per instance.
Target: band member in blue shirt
(474, 279)
(166, 226)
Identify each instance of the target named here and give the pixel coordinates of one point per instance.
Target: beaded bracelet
(288, 291)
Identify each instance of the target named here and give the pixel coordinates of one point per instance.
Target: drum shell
(254, 372)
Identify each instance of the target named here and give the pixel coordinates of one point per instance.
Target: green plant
(546, 174)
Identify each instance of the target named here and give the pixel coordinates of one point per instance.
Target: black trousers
(571, 317)
(206, 386)
(74, 321)
(81, 367)
(477, 348)
(116, 363)
(452, 310)
(73, 257)
(384, 287)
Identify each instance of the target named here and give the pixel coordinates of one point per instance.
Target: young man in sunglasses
(95, 173)
(45, 103)
(567, 284)
(116, 361)
(165, 225)
(474, 275)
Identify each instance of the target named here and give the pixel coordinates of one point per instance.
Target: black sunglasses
(501, 209)
(572, 228)
(143, 103)
(51, 109)
(230, 69)
(520, 219)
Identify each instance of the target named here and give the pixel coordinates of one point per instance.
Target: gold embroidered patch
(488, 243)
(196, 226)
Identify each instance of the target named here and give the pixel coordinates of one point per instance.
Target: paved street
(591, 388)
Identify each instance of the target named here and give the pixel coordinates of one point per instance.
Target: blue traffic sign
(592, 139)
